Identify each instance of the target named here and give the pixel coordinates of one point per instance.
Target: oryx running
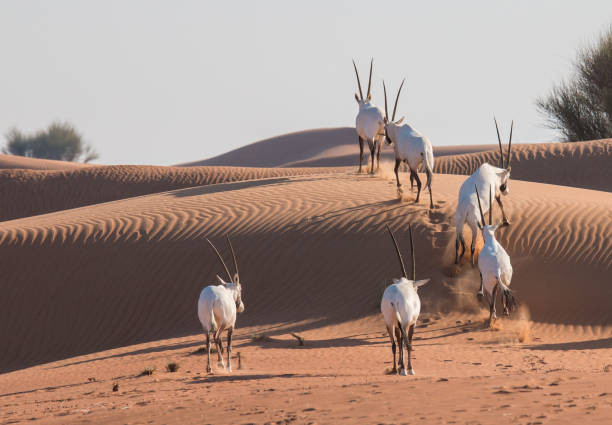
(369, 122)
(410, 147)
(467, 207)
(217, 309)
(400, 307)
(494, 264)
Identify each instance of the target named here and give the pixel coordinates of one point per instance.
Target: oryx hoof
(403, 372)
(480, 295)
(209, 369)
(505, 223)
(411, 372)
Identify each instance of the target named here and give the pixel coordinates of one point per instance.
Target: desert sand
(94, 295)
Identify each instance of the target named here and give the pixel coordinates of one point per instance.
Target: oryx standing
(369, 122)
(467, 207)
(217, 309)
(401, 307)
(494, 264)
(410, 147)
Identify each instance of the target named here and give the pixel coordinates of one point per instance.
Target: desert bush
(581, 107)
(172, 367)
(60, 141)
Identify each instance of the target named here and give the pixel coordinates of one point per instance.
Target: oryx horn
(386, 109)
(501, 152)
(229, 242)
(396, 99)
(509, 146)
(480, 206)
(358, 81)
(412, 254)
(399, 255)
(490, 207)
(370, 79)
(220, 259)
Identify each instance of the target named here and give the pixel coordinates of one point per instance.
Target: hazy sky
(151, 82)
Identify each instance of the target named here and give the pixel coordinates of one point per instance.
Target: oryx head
(390, 124)
(233, 283)
(488, 230)
(416, 284)
(359, 97)
(504, 175)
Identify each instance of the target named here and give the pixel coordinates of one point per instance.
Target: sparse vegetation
(60, 141)
(202, 351)
(300, 339)
(581, 108)
(260, 338)
(147, 371)
(172, 367)
(115, 387)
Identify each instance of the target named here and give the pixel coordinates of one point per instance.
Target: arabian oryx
(217, 309)
(410, 147)
(494, 264)
(369, 123)
(400, 307)
(467, 207)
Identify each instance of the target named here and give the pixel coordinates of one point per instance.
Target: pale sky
(151, 82)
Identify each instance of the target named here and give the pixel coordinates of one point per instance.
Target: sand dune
(310, 247)
(13, 161)
(582, 164)
(25, 193)
(326, 147)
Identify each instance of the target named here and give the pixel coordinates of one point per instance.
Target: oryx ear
(503, 173)
(220, 280)
(420, 283)
(369, 97)
(401, 120)
(357, 98)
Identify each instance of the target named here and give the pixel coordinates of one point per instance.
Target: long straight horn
(398, 253)
(412, 254)
(220, 259)
(370, 79)
(490, 205)
(509, 145)
(233, 255)
(358, 81)
(480, 207)
(386, 109)
(501, 153)
(396, 99)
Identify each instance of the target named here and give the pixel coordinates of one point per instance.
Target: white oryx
(494, 264)
(217, 309)
(410, 147)
(400, 307)
(369, 122)
(467, 207)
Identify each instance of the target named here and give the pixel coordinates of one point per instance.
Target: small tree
(60, 141)
(581, 108)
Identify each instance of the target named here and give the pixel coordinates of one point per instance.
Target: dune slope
(21, 162)
(309, 247)
(582, 164)
(25, 193)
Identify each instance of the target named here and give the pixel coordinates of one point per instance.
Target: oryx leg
(428, 184)
(411, 182)
(459, 241)
(505, 221)
(372, 146)
(230, 331)
(492, 315)
(393, 347)
(399, 185)
(380, 142)
(480, 293)
(409, 347)
(219, 344)
(360, 153)
(208, 366)
(399, 335)
(418, 181)
(473, 245)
